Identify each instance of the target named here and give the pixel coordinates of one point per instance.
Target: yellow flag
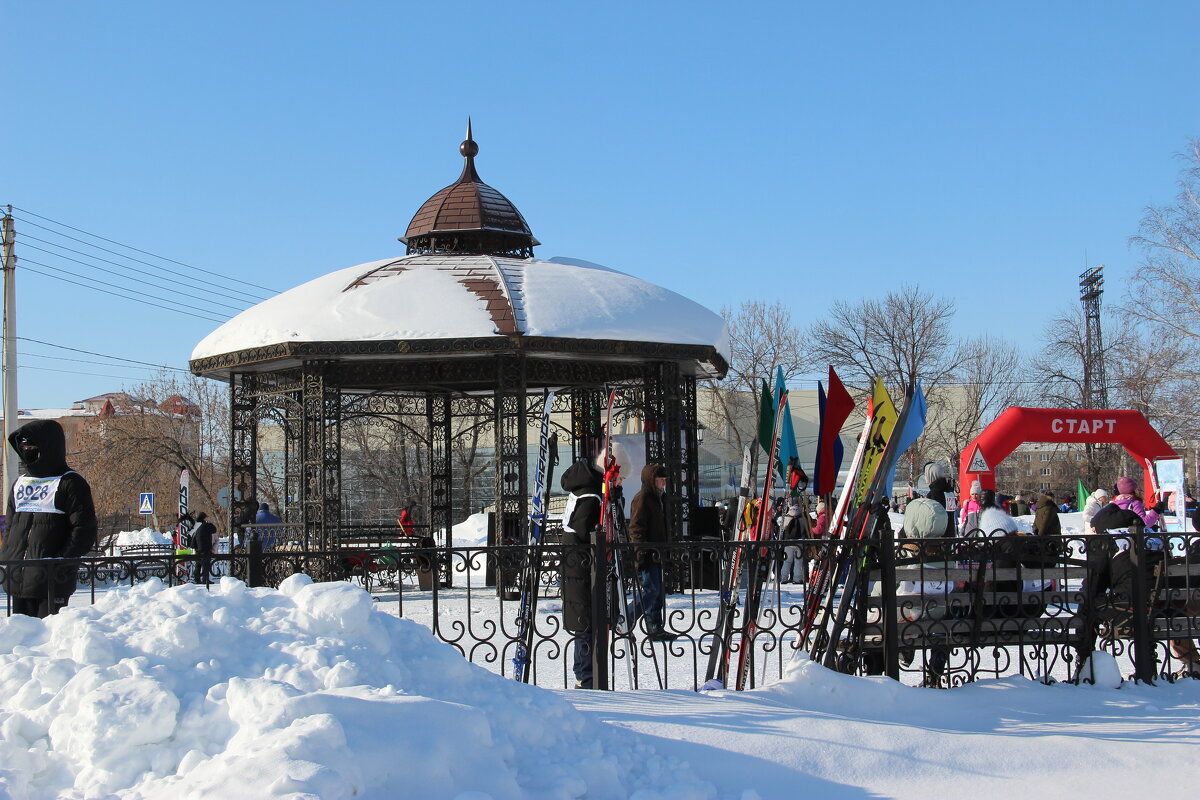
(881, 430)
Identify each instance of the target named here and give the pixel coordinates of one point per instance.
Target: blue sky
(727, 151)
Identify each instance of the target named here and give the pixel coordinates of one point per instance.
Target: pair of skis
(717, 674)
(531, 577)
(822, 580)
(869, 517)
(718, 657)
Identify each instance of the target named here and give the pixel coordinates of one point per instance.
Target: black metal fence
(935, 611)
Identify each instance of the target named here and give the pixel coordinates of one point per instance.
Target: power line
(144, 252)
(110, 272)
(114, 294)
(24, 354)
(26, 237)
(91, 353)
(76, 372)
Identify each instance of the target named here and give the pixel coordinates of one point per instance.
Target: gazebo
(469, 323)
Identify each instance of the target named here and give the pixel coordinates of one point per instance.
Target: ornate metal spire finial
(468, 148)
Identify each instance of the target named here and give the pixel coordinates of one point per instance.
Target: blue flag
(914, 426)
(787, 436)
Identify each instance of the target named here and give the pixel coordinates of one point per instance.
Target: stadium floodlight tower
(1095, 387)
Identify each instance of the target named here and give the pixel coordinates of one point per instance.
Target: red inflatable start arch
(1019, 425)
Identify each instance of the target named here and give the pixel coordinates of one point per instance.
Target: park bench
(382, 560)
(1050, 624)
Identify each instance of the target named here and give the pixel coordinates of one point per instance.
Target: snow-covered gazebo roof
(465, 297)
(469, 286)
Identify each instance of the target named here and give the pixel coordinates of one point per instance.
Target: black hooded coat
(586, 483)
(50, 515)
(648, 518)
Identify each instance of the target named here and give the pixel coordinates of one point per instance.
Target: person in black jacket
(648, 525)
(50, 516)
(585, 483)
(204, 542)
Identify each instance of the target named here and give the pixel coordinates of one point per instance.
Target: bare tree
(901, 338)
(145, 443)
(989, 378)
(1058, 368)
(1148, 367)
(1165, 289)
(762, 338)
(1155, 374)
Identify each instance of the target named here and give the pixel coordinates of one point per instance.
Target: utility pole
(10, 352)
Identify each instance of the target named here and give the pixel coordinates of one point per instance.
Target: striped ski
(532, 574)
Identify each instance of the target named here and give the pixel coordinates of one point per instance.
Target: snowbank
(307, 691)
(471, 532)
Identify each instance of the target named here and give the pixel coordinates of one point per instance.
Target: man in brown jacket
(648, 525)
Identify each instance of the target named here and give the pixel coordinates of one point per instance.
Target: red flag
(838, 405)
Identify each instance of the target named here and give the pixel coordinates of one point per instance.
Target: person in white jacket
(1096, 501)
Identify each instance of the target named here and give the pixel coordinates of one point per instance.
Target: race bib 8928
(36, 494)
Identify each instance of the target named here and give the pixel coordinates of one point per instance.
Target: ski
(183, 532)
(820, 579)
(614, 580)
(530, 582)
(184, 526)
(763, 531)
(870, 514)
(718, 657)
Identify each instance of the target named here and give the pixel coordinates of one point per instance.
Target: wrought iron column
(437, 416)
(587, 425)
(689, 476)
(243, 483)
(320, 458)
(663, 431)
(510, 457)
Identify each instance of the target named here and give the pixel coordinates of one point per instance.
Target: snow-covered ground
(311, 691)
(321, 691)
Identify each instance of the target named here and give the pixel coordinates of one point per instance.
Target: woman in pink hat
(1128, 499)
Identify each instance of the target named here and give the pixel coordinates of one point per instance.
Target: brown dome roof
(468, 216)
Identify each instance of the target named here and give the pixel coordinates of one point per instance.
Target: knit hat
(1100, 494)
(976, 486)
(1125, 485)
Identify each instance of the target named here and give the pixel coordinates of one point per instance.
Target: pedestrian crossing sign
(146, 503)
